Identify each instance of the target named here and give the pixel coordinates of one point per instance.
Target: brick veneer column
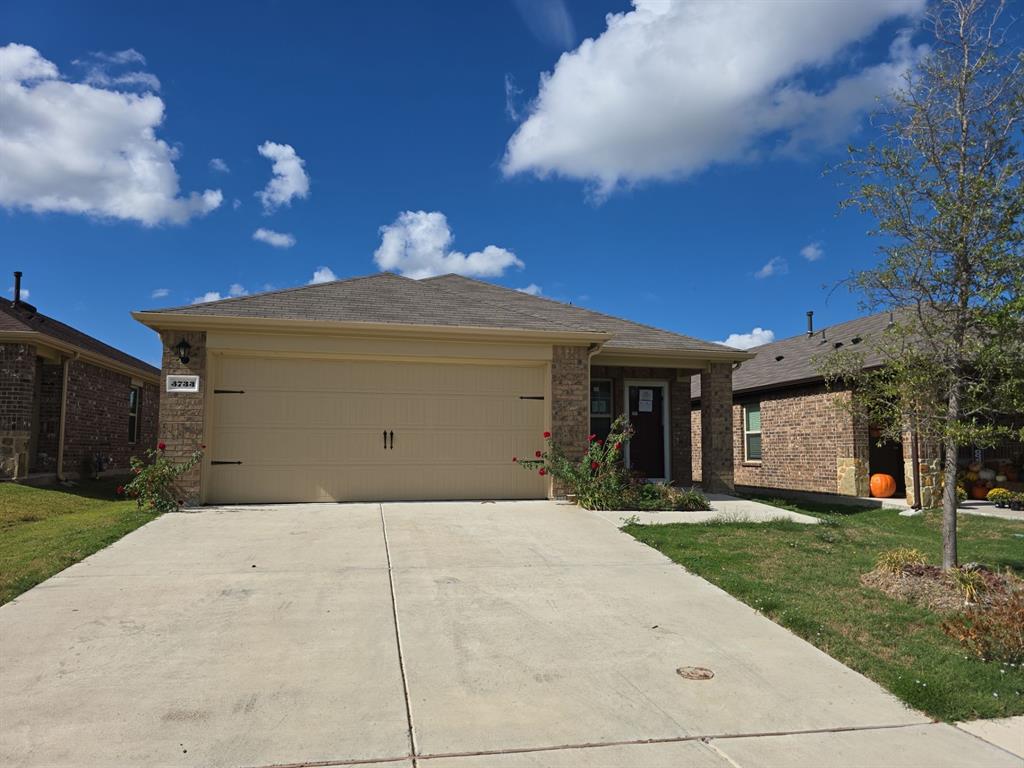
(716, 428)
(929, 458)
(853, 447)
(182, 413)
(17, 391)
(570, 404)
(679, 426)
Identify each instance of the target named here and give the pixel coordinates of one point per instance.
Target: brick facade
(716, 454)
(95, 424)
(570, 403)
(182, 414)
(679, 409)
(17, 391)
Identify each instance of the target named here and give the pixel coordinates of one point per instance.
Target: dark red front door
(647, 415)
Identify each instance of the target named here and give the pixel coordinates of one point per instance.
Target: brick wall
(50, 377)
(17, 387)
(717, 471)
(679, 409)
(570, 402)
(96, 422)
(182, 413)
(809, 442)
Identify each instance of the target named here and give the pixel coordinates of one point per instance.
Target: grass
(44, 530)
(806, 579)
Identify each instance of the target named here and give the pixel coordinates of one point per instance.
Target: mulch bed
(930, 586)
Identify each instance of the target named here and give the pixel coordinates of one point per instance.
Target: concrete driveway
(447, 635)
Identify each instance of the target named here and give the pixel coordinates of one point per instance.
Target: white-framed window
(134, 412)
(601, 407)
(752, 432)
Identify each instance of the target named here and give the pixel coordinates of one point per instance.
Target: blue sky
(668, 169)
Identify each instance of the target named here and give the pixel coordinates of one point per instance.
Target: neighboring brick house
(382, 387)
(791, 432)
(69, 404)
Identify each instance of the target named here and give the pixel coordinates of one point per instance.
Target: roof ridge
(582, 309)
(276, 291)
(817, 331)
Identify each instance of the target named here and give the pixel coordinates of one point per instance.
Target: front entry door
(645, 453)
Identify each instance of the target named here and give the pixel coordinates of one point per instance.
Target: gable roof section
(800, 356)
(25, 320)
(448, 301)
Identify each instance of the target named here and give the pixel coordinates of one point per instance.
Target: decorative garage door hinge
(225, 462)
(229, 391)
(531, 397)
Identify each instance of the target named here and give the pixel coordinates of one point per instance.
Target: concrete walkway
(449, 634)
(725, 509)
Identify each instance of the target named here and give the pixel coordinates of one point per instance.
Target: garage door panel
(312, 430)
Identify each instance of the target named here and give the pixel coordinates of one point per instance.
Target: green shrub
(894, 560)
(970, 583)
(154, 485)
(993, 633)
(999, 496)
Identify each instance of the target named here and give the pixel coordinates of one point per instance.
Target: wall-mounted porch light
(181, 349)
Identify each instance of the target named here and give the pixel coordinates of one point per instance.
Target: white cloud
(812, 251)
(549, 21)
(217, 164)
(775, 266)
(237, 289)
(160, 293)
(670, 88)
(127, 56)
(276, 239)
(98, 66)
(206, 297)
(533, 289)
(755, 338)
(512, 94)
(418, 244)
(290, 179)
(76, 148)
(322, 275)
(236, 204)
(24, 291)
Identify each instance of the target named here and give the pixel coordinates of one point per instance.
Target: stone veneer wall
(182, 413)
(570, 403)
(679, 409)
(930, 464)
(809, 442)
(17, 388)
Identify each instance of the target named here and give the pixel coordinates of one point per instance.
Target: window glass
(133, 414)
(601, 407)
(754, 446)
(752, 432)
(753, 418)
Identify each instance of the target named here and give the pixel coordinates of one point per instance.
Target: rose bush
(599, 480)
(154, 480)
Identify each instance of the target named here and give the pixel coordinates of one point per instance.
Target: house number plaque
(176, 383)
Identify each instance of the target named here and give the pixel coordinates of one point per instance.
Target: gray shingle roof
(26, 318)
(795, 360)
(448, 300)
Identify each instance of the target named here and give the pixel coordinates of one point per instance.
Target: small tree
(944, 185)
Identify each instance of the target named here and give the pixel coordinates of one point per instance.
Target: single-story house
(383, 387)
(791, 432)
(69, 404)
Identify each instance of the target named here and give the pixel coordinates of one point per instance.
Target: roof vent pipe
(17, 287)
(810, 323)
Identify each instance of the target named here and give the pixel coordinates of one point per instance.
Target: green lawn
(806, 579)
(44, 530)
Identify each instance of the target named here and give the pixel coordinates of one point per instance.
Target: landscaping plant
(993, 633)
(154, 481)
(895, 560)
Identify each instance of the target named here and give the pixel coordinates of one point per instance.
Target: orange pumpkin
(882, 486)
(979, 491)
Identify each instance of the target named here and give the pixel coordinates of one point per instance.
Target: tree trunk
(949, 500)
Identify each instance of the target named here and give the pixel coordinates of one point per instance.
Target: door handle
(385, 439)
(392, 433)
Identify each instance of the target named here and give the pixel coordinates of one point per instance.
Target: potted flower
(1017, 501)
(1000, 497)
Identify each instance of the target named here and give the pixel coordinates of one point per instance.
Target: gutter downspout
(65, 365)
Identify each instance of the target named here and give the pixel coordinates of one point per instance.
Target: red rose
(120, 490)
(161, 446)
(538, 454)
(202, 447)
(547, 435)
(618, 446)
(514, 459)
(594, 465)
(592, 438)
(600, 442)
(542, 471)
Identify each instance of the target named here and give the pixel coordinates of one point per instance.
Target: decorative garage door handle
(385, 439)
(392, 434)
(225, 462)
(386, 435)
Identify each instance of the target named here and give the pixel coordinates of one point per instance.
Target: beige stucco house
(383, 387)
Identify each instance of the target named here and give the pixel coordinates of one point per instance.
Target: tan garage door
(329, 430)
